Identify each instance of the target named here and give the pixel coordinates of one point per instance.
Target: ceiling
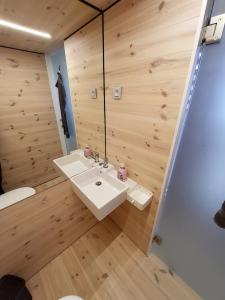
(57, 17)
(102, 4)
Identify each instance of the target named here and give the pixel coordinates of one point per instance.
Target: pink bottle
(87, 151)
(122, 173)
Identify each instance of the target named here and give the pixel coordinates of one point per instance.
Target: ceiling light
(24, 29)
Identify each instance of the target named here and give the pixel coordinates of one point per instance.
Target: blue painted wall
(58, 58)
(193, 246)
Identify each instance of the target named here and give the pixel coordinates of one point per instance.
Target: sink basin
(72, 164)
(99, 191)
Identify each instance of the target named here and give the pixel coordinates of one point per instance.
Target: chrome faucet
(105, 163)
(95, 156)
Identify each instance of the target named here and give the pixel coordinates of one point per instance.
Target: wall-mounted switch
(93, 93)
(117, 92)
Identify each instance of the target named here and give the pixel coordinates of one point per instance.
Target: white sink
(99, 191)
(72, 164)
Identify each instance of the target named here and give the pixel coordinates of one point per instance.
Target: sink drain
(98, 183)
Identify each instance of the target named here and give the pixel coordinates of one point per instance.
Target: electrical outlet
(93, 93)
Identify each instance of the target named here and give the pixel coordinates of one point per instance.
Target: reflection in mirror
(36, 117)
(85, 70)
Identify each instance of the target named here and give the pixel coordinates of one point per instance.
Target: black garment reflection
(219, 217)
(62, 103)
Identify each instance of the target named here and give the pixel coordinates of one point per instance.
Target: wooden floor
(105, 264)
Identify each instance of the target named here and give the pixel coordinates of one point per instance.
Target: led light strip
(24, 29)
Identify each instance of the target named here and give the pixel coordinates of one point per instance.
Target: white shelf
(137, 195)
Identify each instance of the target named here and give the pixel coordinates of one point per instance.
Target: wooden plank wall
(37, 229)
(28, 133)
(84, 63)
(148, 47)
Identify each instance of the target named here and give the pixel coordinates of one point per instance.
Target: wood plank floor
(105, 264)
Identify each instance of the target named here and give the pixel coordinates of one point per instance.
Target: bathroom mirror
(84, 56)
(32, 129)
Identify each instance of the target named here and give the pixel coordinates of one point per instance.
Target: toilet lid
(71, 298)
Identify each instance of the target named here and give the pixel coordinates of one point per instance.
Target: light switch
(117, 92)
(93, 93)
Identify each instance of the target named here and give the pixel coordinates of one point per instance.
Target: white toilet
(71, 298)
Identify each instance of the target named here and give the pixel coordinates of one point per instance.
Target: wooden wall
(148, 47)
(28, 133)
(37, 229)
(84, 63)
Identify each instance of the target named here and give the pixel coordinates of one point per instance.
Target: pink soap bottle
(87, 151)
(122, 173)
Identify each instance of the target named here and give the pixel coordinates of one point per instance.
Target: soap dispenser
(122, 173)
(87, 151)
